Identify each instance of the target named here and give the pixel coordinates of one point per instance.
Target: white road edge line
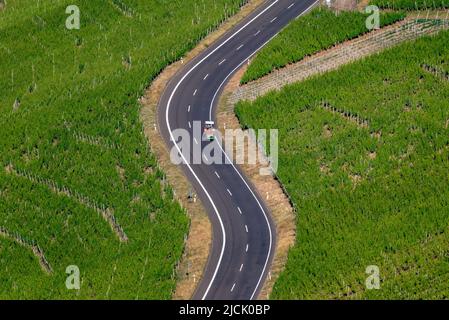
(210, 117)
(250, 56)
(185, 160)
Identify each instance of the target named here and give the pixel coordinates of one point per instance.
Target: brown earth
(344, 5)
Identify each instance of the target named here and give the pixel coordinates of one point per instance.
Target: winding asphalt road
(243, 232)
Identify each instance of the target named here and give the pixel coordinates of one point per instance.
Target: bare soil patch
(344, 5)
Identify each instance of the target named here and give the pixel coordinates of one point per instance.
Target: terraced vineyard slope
(411, 4)
(364, 152)
(349, 51)
(316, 31)
(78, 185)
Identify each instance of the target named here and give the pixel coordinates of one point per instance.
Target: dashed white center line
(241, 267)
(188, 108)
(258, 31)
(246, 228)
(240, 47)
(196, 141)
(230, 193)
(240, 210)
(205, 77)
(233, 286)
(194, 93)
(205, 158)
(222, 61)
(274, 19)
(247, 246)
(216, 173)
(190, 125)
(290, 6)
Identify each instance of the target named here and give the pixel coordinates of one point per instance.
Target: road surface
(243, 232)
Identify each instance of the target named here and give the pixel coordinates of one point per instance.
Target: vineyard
(78, 184)
(364, 152)
(319, 30)
(411, 4)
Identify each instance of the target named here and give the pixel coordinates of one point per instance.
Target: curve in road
(243, 232)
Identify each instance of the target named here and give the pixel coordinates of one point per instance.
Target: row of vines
(69, 122)
(411, 4)
(316, 31)
(372, 194)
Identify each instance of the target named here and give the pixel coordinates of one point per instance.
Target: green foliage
(316, 31)
(374, 194)
(411, 4)
(69, 114)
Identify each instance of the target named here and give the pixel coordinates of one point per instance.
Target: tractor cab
(209, 130)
